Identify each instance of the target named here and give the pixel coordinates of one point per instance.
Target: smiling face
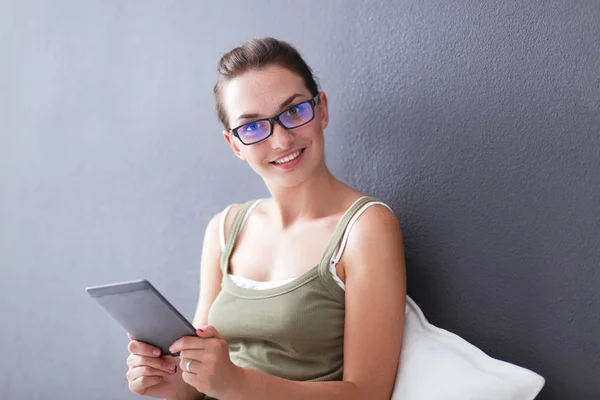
(288, 156)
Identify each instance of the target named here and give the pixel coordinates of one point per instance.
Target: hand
(149, 374)
(207, 355)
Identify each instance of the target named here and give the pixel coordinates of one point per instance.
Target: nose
(282, 138)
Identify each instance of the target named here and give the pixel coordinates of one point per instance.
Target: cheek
(255, 154)
(317, 138)
(309, 132)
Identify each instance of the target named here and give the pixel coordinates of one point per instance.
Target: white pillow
(438, 365)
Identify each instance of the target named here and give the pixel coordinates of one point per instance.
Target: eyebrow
(286, 103)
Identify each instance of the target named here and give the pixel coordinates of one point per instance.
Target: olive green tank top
(294, 331)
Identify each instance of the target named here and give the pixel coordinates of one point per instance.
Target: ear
(323, 110)
(233, 142)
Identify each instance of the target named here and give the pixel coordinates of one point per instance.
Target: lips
(290, 156)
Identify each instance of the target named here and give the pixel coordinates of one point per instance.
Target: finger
(143, 349)
(209, 331)
(137, 372)
(171, 359)
(130, 337)
(197, 356)
(143, 383)
(163, 364)
(186, 342)
(191, 368)
(189, 378)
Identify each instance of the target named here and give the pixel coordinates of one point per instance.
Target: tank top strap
(338, 234)
(236, 226)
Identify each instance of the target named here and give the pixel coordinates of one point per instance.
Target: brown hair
(257, 54)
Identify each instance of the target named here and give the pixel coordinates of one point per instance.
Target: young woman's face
(266, 93)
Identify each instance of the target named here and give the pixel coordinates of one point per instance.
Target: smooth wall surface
(477, 121)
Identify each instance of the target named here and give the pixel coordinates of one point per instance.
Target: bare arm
(210, 284)
(375, 303)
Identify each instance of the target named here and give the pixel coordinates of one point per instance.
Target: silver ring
(188, 365)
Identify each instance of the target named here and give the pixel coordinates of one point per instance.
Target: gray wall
(477, 121)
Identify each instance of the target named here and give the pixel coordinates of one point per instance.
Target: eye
(295, 111)
(251, 127)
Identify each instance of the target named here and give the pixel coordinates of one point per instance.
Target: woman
(302, 294)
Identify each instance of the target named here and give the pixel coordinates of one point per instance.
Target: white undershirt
(261, 285)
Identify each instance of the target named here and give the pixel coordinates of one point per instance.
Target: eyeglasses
(293, 117)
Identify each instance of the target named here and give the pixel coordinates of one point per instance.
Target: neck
(312, 199)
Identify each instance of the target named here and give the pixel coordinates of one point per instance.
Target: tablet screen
(143, 312)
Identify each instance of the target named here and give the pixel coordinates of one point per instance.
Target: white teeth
(288, 158)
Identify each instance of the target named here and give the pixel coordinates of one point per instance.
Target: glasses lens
(254, 131)
(297, 115)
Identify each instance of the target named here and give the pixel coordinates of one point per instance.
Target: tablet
(143, 312)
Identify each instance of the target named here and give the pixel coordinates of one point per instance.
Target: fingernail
(173, 367)
(156, 352)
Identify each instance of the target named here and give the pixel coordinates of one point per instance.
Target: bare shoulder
(231, 213)
(374, 222)
(377, 233)
(211, 251)
(213, 229)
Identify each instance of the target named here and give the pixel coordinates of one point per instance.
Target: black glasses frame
(313, 102)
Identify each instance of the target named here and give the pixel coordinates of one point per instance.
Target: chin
(287, 183)
(293, 178)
